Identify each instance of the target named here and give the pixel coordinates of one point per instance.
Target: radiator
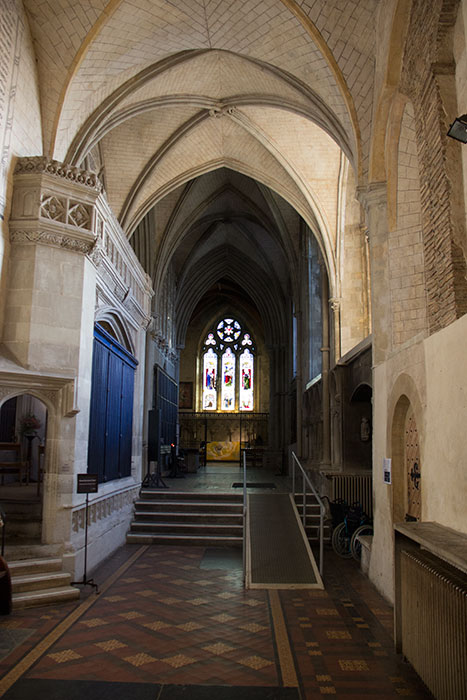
(434, 623)
(352, 488)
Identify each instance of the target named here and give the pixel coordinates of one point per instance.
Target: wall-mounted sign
(87, 483)
(387, 470)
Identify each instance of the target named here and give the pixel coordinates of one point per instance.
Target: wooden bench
(15, 465)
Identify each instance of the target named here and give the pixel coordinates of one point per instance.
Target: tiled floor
(167, 618)
(175, 622)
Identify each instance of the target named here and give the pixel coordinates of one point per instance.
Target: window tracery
(228, 363)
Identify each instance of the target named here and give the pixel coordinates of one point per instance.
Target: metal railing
(244, 518)
(322, 509)
(3, 526)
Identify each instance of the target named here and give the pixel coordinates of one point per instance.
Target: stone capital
(41, 165)
(335, 303)
(373, 196)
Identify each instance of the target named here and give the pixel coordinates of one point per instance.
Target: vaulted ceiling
(229, 119)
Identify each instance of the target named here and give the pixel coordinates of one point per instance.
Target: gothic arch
(109, 319)
(403, 399)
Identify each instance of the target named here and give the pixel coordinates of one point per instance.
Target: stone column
(325, 350)
(374, 200)
(335, 303)
(50, 301)
(298, 381)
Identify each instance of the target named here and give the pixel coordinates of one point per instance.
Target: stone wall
(406, 254)
(428, 79)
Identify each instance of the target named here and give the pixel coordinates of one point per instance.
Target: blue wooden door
(111, 412)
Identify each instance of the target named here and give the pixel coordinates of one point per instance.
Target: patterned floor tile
(182, 624)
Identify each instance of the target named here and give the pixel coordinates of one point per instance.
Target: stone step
(192, 506)
(22, 531)
(186, 528)
(47, 596)
(19, 550)
(36, 582)
(22, 567)
(151, 494)
(195, 540)
(182, 517)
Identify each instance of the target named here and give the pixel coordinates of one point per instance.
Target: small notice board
(387, 470)
(87, 483)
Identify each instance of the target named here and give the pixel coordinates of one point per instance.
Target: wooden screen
(166, 408)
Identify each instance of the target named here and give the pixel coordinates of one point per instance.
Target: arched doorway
(406, 463)
(412, 467)
(23, 435)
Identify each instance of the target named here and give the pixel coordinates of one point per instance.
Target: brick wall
(421, 79)
(406, 255)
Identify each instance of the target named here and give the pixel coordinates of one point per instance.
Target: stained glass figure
(246, 381)
(210, 380)
(228, 381)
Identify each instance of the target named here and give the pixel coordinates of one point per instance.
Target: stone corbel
(69, 399)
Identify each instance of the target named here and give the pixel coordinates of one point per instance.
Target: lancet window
(228, 368)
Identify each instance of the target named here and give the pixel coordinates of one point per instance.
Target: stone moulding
(56, 239)
(59, 391)
(42, 164)
(104, 507)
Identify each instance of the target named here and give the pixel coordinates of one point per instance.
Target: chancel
(233, 236)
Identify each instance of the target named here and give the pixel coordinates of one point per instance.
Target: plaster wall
(430, 374)
(444, 472)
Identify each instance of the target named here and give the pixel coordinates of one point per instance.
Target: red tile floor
(163, 618)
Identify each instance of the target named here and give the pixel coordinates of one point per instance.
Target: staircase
(40, 581)
(188, 518)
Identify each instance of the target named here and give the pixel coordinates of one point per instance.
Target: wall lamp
(458, 129)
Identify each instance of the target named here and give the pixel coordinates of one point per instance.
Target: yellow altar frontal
(223, 451)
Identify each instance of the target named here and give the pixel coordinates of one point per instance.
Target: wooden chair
(15, 465)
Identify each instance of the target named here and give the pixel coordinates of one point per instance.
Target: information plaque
(87, 483)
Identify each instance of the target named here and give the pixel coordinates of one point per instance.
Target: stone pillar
(325, 350)
(50, 302)
(374, 200)
(335, 303)
(277, 413)
(51, 230)
(298, 381)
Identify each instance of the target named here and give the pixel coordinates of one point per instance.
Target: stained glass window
(246, 380)
(228, 368)
(210, 380)
(228, 381)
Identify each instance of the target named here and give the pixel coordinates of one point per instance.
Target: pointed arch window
(228, 362)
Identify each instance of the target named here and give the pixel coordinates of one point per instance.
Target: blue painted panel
(98, 410)
(126, 420)
(111, 410)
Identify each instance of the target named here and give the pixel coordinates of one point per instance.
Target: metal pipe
(244, 518)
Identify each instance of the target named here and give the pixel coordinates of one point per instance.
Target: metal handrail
(322, 508)
(244, 518)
